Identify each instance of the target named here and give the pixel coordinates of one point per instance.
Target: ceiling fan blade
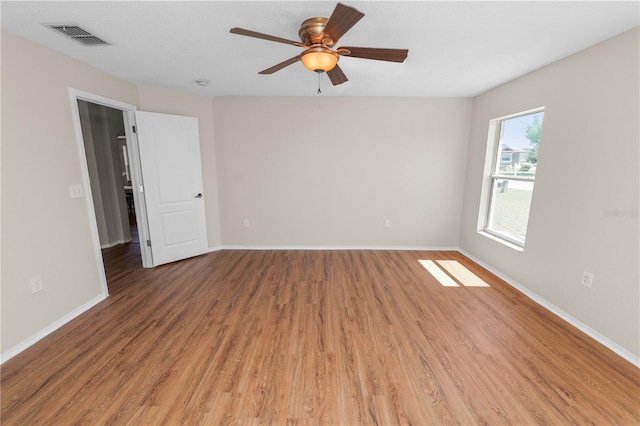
(379, 54)
(337, 76)
(341, 21)
(280, 65)
(249, 33)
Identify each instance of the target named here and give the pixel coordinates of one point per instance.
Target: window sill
(501, 241)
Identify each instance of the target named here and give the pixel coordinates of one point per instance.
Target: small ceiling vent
(78, 34)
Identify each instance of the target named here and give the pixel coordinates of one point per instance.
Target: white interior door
(169, 148)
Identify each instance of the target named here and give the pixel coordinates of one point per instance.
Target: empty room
(313, 212)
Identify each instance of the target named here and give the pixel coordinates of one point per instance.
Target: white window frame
(492, 166)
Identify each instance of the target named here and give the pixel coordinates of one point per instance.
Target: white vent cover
(78, 34)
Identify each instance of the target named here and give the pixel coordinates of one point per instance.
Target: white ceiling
(456, 48)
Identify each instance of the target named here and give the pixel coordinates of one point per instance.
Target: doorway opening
(106, 153)
(112, 177)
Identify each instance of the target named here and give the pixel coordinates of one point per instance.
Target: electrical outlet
(245, 223)
(587, 279)
(387, 223)
(36, 284)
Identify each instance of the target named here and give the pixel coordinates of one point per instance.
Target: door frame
(134, 166)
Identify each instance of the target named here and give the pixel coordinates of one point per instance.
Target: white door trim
(136, 176)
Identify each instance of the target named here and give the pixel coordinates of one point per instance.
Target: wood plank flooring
(314, 337)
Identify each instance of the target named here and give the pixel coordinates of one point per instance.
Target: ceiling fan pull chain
(319, 81)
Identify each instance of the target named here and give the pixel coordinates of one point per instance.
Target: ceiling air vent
(78, 34)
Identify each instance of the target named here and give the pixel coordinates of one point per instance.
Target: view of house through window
(513, 175)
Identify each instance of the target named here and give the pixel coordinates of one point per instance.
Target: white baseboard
(50, 328)
(403, 248)
(114, 243)
(623, 352)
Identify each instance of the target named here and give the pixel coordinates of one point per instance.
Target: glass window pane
(519, 144)
(509, 212)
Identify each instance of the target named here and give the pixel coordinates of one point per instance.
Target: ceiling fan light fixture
(319, 59)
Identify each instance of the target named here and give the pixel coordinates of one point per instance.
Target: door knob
(199, 196)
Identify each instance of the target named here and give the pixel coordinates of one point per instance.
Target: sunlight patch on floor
(456, 270)
(438, 273)
(462, 274)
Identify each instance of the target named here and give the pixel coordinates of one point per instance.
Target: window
(515, 144)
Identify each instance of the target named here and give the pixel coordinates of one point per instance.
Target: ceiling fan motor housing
(318, 57)
(312, 32)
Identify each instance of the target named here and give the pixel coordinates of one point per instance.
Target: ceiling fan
(318, 36)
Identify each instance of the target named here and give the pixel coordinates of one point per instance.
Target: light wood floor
(314, 337)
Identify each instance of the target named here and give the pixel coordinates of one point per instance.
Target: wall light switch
(76, 191)
(387, 223)
(245, 223)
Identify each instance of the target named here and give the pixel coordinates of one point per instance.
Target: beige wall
(152, 99)
(588, 165)
(329, 171)
(44, 231)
